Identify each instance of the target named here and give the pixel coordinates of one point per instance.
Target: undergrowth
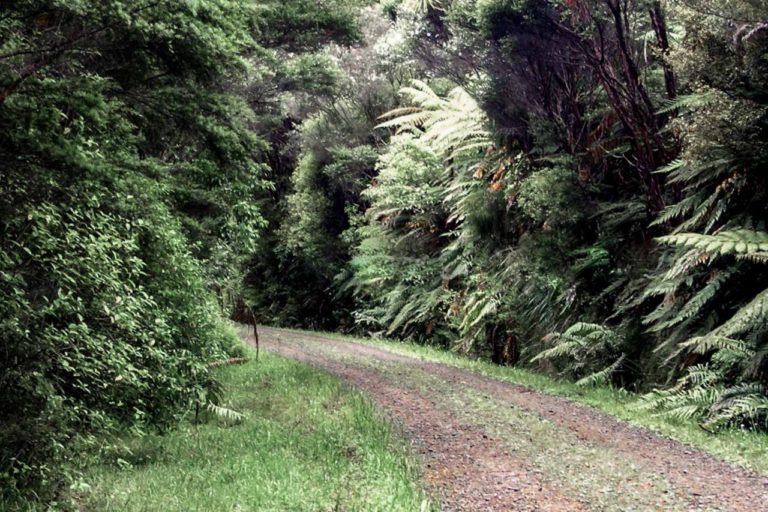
(305, 442)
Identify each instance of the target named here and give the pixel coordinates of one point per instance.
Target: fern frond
(686, 102)
(602, 377)
(410, 120)
(671, 167)
(675, 211)
(453, 125)
(749, 317)
(587, 348)
(565, 347)
(585, 329)
(693, 175)
(707, 344)
(694, 306)
(225, 413)
(742, 241)
(748, 401)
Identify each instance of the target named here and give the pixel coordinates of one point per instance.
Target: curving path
(488, 445)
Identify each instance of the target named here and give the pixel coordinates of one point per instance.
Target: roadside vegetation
(571, 187)
(575, 187)
(134, 153)
(745, 447)
(305, 441)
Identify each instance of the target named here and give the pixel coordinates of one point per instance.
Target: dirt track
(487, 445)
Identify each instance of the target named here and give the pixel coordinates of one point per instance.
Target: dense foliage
(324, 156)
(575, 185)
(134, 141)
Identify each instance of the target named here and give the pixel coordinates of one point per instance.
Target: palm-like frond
(587, 346)
(454, 124)
(741, 241)
(747, 401)
(225, 413)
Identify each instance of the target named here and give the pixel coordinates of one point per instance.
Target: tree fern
(586, 346)
(693, 306)
(744, 402)
(736, 348)
(700, 396)
(742, 241)
(454, 125)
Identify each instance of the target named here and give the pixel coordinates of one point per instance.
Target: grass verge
(743, 447)
(307, 443)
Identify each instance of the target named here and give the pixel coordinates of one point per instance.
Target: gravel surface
(487, 445)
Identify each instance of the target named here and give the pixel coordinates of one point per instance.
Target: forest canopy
(134, 149)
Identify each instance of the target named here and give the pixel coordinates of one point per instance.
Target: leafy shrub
(107, 320)
(106, 325)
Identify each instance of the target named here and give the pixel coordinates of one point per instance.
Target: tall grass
(307, 443)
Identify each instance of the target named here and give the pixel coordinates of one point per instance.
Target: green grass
(746, 448)
(308, 443)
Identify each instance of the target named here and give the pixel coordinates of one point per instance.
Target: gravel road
(487, 445)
